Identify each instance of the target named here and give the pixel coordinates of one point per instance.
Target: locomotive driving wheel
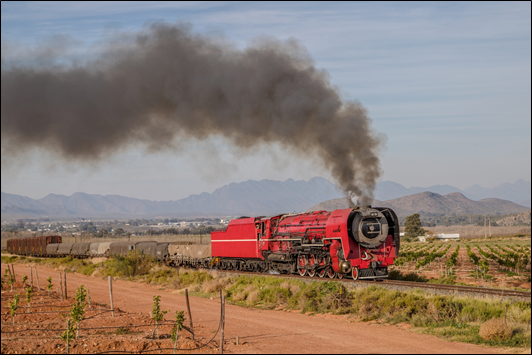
(311, 263)
(340, 275)
(331, 273)
(322, 272)
(354, 273)
(302, 265)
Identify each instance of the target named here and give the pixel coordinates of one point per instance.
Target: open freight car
(31, 246)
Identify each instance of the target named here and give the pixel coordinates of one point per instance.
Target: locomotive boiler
(359, 242)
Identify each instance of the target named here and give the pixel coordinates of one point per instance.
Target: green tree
(484, 267)
(29, 292)
(157, 314)
(13, 306)
(77, 311)
(50, 285)
(179, 320)
(413, 226)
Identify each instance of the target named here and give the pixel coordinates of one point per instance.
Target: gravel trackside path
(264, 331)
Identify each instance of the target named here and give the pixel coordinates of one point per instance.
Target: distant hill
(434, 203)
(249, 197)
(518, 192)
(516, 219)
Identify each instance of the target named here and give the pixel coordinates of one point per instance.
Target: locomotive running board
(373, 277)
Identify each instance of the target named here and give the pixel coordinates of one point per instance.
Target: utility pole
(489, 221)
(485, 232)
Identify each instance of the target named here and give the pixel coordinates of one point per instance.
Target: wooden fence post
(37, 278)
(68, 334)
(9, 270)
(111, 294)
(64, 281)
(61, 284)
(222, 320)
(189, 314)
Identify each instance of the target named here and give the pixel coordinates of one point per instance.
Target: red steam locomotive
(360, 242)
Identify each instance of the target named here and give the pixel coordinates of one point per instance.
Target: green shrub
(194, 277)
(444, 280)
(134, 264)
(411, 277)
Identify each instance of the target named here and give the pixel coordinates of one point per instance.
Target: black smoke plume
(169, 85)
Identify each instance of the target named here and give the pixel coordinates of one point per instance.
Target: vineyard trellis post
(31, 276)
(189, 314)
(14, 275)
(61, 285)
(64, 281)
(67, 335)
(222, 321)
(111, 295)
(37, 278)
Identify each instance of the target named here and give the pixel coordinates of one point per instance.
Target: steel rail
(389, 282)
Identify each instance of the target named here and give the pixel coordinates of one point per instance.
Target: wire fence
(119, 328)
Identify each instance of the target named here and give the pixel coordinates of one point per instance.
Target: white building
(448, 237)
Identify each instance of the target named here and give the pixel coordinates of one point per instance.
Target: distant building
(448, 237)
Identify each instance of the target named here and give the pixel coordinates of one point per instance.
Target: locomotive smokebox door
(369, 228)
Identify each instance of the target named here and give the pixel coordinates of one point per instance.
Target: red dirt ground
(259, 331)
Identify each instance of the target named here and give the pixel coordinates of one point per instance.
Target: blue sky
(447, 83)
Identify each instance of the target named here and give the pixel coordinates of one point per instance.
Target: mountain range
(434, 203)
(271, 197)
(249, 197)
(518, 192)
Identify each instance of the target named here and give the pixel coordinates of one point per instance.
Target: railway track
(445, 288)
(460, 289)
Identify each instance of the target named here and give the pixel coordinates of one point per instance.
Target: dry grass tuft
(176, 283)
(215, 285)
(253, 297)
(250, 288)
(240, 296)
(285, 285)
(433, 313)
(495, 329)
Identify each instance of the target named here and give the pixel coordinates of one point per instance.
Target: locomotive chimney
(364, 206)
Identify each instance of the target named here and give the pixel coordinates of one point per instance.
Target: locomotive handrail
(297, 239)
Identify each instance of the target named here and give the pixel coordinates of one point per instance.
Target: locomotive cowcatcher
(360, 242)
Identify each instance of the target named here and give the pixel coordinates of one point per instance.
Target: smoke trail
(170, 85)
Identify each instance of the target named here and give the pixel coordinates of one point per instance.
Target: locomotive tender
(358, 242)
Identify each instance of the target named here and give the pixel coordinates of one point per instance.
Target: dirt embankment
(259, 331)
